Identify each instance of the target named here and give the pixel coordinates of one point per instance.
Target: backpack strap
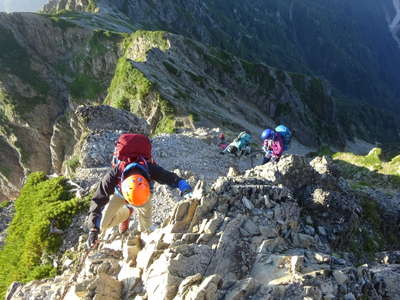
(137, 165)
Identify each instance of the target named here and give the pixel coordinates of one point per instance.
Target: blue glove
(184, 187)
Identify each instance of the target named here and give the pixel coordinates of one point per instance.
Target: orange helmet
(136, 190)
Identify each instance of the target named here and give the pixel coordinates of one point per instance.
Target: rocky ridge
(54, 62)
(272, 232)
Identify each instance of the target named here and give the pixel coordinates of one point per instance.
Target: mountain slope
(52, 63)
(47, 66)
(348, 43)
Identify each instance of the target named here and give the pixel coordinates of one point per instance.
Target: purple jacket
(276, 145)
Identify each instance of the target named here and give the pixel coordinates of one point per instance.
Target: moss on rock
(42, 203)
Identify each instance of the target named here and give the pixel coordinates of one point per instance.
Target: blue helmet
(268, 134)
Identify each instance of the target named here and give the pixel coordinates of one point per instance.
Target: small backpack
(130, 148)
(242, 140)
(286, 135)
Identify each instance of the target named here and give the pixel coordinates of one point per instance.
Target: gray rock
(340, 277)
(251, 227)
(349, 296)
(309, 230)
(322, 231)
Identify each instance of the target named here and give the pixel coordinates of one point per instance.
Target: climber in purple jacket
(273, 145)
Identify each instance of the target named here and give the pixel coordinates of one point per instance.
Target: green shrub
(128, 87)
(166, 125)
(85, 87)
(73, 163)
(42, 202)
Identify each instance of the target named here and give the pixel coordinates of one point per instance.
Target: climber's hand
(187, 195)
(184, 187)
(274, 158)
(93, 240)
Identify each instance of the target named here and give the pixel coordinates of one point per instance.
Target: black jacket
(107, 187)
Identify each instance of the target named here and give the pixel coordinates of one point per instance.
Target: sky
(21, 5)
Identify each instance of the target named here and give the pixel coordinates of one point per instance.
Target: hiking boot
(124, 226)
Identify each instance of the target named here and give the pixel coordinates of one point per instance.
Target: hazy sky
(21, 5)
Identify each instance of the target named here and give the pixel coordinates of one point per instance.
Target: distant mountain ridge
(349, 43)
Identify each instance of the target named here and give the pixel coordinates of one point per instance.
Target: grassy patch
(128, 87)
(42, 202)
(370, 168)
(166, 125)
(4, 204)
(373, 234)
(148, 40)
(157, 38)
(85, 87)
(73, 163)
(132, 91)
(371, 161)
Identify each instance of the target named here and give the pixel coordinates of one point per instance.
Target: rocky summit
(279, 231)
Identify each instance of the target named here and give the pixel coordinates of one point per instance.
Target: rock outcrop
(48, 65)
(245, 236)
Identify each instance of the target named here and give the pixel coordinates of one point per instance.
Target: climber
(240, 145)
(128, 186)
(275, 142)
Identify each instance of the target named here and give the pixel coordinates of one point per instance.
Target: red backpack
(131, 148)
